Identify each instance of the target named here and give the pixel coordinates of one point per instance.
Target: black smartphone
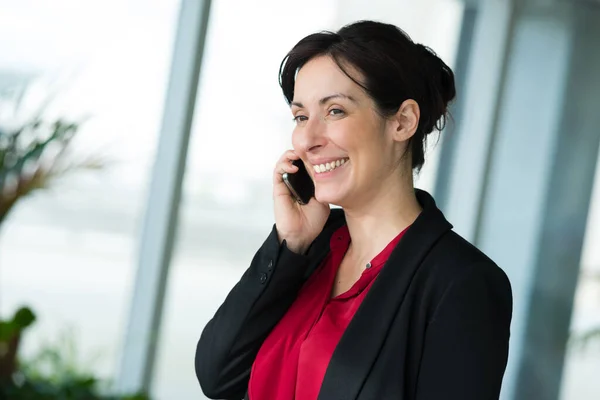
(300, 183)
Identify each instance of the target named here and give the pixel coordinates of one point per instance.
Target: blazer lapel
(354, 356)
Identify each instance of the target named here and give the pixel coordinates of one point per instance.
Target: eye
(300, 118)
(336, 112)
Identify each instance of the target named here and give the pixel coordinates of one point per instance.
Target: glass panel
(242, 126)
(582, 361)
(70, 252)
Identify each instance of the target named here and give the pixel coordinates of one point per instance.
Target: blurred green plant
(33, 155)
(22, 319)
(56, 371)
(58, 361)
(589, 335)
(582, 340)
(10, 336)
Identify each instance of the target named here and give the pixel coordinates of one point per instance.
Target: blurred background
(155, 125)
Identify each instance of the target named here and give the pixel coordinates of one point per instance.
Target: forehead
(322, 77)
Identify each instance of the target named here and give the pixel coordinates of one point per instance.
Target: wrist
(294, 245)
(297, 248)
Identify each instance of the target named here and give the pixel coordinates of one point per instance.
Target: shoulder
(456, 258)
(456, 269)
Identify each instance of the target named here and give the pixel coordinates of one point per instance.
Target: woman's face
(351, 152)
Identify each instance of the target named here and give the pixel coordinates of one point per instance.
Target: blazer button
(263, 277)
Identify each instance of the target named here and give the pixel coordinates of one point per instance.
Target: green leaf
(24, 317)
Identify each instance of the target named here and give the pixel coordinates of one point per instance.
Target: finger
(287, 156)
(282, 168)
(292, 155)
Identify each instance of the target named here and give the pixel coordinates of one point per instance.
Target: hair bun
(440, 82)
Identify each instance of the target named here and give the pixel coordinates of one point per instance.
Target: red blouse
(292, 361)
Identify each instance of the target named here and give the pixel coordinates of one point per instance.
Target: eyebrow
(326, 99)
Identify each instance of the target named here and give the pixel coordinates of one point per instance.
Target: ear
(406, 120)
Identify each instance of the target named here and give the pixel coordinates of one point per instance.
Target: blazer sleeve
(466, 342)
(230, 341)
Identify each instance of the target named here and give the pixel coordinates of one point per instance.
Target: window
(582, 360)
(70, 252)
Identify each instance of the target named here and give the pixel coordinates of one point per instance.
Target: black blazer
(435, 324)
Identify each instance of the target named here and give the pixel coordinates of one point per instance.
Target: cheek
(295, 139)
(344, 134)
(353, 136)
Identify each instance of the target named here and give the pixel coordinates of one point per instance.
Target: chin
(329, 197)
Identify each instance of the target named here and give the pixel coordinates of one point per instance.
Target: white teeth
(329, 166)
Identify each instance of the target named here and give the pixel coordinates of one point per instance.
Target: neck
(374, 225)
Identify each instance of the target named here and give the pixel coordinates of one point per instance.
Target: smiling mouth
(330, 166)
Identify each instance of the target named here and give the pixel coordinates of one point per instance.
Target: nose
(310, 137)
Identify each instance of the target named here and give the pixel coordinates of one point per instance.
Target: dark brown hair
(394, 69)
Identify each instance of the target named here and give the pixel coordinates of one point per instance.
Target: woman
(379, 299)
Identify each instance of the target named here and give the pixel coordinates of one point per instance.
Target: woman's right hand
(297, 224)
